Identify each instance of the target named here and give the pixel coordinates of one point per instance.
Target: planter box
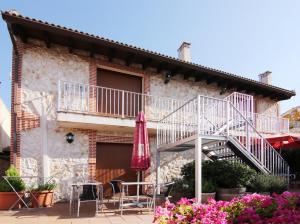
(7, 199)
(206, 196)
(43, 199)
(226, 194)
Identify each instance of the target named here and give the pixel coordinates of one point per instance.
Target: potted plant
(42, 196)
(7, 196)
(231, 178)
(268, 184)
(185, 186)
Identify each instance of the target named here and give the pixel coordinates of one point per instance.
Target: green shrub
(4, 187)
(188, 187)
(228, 175)
(13, 177)
(268, 183)
(46, 187)
(208, 186)
(223, 173)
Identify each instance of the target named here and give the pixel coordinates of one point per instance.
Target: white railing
(256, 145)
(267, 124)
(220, 118)
(89, 99)
(182, 123)
(243, 102)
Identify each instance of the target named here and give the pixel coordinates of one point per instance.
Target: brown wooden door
(120, 91)
(113, 163)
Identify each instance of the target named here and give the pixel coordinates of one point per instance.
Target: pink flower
(184, 201)
(254, 208)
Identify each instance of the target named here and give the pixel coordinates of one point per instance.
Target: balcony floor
(97, 122)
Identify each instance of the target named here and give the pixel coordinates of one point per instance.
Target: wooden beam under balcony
(47, 38)
(146, 63)
(92, 50)
(20, 31)
(129, 59)
(175, 71)
(211, 80)
(111, 54)
(199, 77)
(161, 67)
(70, 45)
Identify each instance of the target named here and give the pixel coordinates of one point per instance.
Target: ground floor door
(113, 163)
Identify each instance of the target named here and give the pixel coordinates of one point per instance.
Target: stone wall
(41, 70)
(267, 106)
(178, 88)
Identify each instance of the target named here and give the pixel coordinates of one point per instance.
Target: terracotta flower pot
(206, 196)
(43, 199)
(7, 199)
(226, 194)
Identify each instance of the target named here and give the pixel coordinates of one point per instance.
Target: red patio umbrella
(140, 160)
(284, 141)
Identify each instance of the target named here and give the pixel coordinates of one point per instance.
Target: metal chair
(87, 192)
(165, 192)
(116, 188)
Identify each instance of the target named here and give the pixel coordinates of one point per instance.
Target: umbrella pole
(138, 186)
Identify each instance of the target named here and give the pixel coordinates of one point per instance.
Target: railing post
(198, 106)
(227, 117)
(247, 137)
(262, 150)
(198, 156)
(59, 96)
(123, 104)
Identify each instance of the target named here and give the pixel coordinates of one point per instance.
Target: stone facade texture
(37, 93)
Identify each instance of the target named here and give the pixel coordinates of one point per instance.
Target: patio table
(136, 202)
(76, 186)
(28, 191)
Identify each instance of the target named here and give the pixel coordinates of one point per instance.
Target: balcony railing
(89, 99)
(267, 124)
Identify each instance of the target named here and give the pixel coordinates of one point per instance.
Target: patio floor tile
(59, 214)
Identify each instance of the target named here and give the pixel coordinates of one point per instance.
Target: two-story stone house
(66, 83)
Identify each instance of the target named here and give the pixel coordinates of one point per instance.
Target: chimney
(266, 77)
(184, 53)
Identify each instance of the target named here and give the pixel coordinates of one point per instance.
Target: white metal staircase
(228, 130)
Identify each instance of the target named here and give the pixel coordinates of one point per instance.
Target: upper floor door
(119, 94)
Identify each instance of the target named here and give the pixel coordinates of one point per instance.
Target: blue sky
(243, 37)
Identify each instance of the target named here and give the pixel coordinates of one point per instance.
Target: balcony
(81, 105)
(267, 124)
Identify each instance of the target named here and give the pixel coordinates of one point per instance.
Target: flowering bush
(254, 208)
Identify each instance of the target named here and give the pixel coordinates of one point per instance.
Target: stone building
(66, 82)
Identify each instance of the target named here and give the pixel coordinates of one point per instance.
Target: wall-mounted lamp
(168, 77)
(223, 90)
(70, 137)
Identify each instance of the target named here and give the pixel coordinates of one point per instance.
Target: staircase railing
(255, 144)
(220, 118)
